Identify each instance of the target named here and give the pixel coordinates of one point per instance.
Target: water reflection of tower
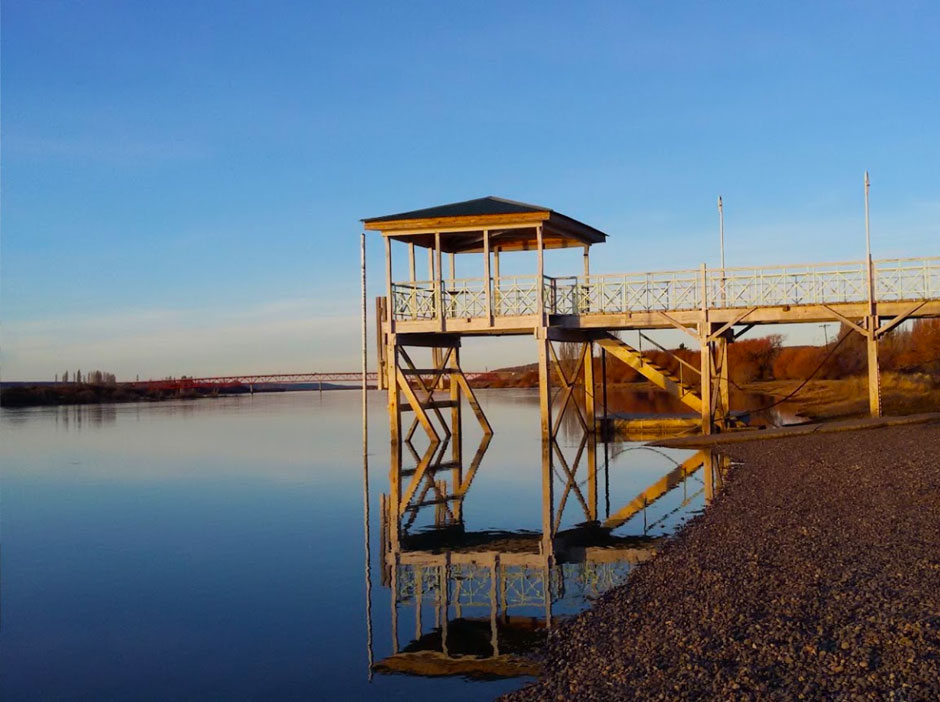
(473, 603)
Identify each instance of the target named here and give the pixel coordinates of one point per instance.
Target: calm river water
(214, 549)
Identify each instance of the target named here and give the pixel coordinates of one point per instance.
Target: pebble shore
(815, 575)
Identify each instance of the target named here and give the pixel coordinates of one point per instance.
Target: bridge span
(352, 378)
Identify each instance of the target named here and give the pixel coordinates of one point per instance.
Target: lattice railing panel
(465, 297)
(414, 300)
(773, 286)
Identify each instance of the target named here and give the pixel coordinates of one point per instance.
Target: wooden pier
(712, 306)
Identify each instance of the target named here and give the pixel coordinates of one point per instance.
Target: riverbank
(823, 400)
(813, 576)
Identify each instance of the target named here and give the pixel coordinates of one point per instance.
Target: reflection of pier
(480, 600)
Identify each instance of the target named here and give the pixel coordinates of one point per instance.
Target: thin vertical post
(456, 429)
(540, 303)
(721, 234)
(390, 305)
(411, 261)
(438, 280)
(365, 354)
(706, 374)
(545, 410)
(585, 304)
(709, 476)
(486, 276)
(591, 416)
(394, 605)
(724, 386)
(365, 459)
(496, 279)
(445, 603)
(494, 605)
(394, 420)
(874, 372)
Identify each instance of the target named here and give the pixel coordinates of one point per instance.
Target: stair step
(425, 503)
(446, 465)
(439, 404)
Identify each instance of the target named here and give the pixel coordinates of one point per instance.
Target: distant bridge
(250, 381)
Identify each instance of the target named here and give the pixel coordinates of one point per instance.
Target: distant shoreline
(26, 394)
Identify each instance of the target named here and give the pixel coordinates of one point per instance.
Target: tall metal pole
(868, 261)
(867, 224)
(721, 231)
(365, 461)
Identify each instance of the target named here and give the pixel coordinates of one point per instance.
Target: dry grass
(830, 399)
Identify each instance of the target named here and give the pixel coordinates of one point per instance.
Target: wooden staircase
(660, 377)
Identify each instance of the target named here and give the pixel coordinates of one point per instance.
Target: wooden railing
(769, 286)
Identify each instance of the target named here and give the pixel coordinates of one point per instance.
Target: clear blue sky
(181, 181)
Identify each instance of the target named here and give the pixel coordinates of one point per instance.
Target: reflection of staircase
(655, 374)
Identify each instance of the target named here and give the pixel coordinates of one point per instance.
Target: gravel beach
(815, 575)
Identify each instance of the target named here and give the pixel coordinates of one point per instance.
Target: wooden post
(390, 318)
(707, 369)
(380, 341)
(709, 477)
(874, 371)
(486, 275)
(707, 362)
(590, 413)
(494, 604)
(540, 302)
(496, 280)
(724, 389)
(456, 433)
(438, 280)
(545, 408)
(445, 604)
(411, 261)
(394, 420)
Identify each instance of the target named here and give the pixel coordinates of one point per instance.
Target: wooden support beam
(678, 325)
(474, 403)
(416, 405)
(888, 326)
(411, 261)
(655, 491)
(725, 327)
(856, 327)
(429, 340)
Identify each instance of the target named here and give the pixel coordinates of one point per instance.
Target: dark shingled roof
(469, 208)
